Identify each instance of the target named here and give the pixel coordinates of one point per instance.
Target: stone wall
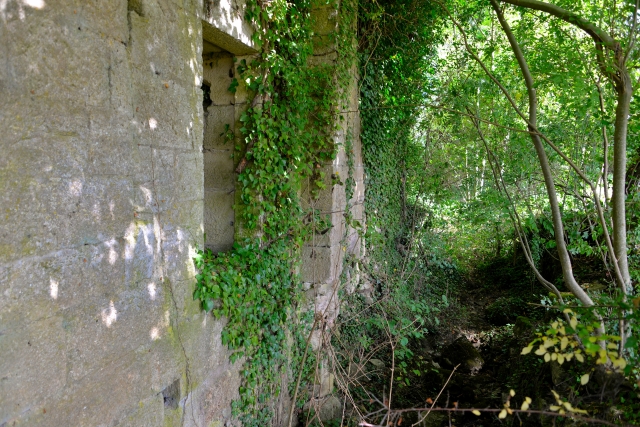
(101, 178)
(323, 258)
(105, 193)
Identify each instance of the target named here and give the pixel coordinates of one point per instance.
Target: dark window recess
(171, 395)
(206, 96)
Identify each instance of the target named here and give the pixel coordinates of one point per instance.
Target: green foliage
(429, 175)
(286, 137)
(506, 310)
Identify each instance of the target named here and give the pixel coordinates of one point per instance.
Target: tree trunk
(558, 227)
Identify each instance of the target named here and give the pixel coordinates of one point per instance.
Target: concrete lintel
(232, 37)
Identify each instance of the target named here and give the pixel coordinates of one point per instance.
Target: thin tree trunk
(618, 196)
(618, 74)
(556, 215)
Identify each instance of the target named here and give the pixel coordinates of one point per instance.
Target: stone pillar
(323, 257)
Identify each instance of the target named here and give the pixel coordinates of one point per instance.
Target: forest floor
(472, 358)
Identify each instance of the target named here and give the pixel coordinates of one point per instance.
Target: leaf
(573, 322)
(526, 350)
(475, 412)
(584, 379)
(579, 357)
(503, 414)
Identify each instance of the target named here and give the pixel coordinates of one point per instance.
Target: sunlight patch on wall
(75, 188)
(110, 315)
(113, 255)
(53, 288)
(96, 212)
(180, 236)
(155, 332)
(151, 287)
(130, 240)
(147, 194)
(157, 231)
(35, 4)
(190, 266)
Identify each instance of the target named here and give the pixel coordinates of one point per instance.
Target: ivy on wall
(287, 136)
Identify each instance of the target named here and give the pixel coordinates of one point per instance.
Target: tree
(612, 59)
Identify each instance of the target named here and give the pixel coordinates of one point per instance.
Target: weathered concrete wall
(102, 195)
(103, 191)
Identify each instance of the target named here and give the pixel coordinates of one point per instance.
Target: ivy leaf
(584, 379)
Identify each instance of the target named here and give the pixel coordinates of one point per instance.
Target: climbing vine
(287, 136)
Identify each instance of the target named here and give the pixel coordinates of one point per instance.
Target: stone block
(141, 251)
(178, 251)
(189, 175)
(331, 198)
(357, 198)
(101, 333)
(165, 82)
(112, 155)
(219, 172)
(148, 413)
(328, 408)
(323, 46)
(218, 71)
(324, 20)
(67, 212)
(219, 219)
(108, 20)
(203, 345)
(321, 264)
(210, 402)
(327, 58)
(60, 66)
(40, 287)
(102, 397)
(161, 188)
(84, 210)
(186, 216)
(32, 364)
(50, 189)
(217, 119)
